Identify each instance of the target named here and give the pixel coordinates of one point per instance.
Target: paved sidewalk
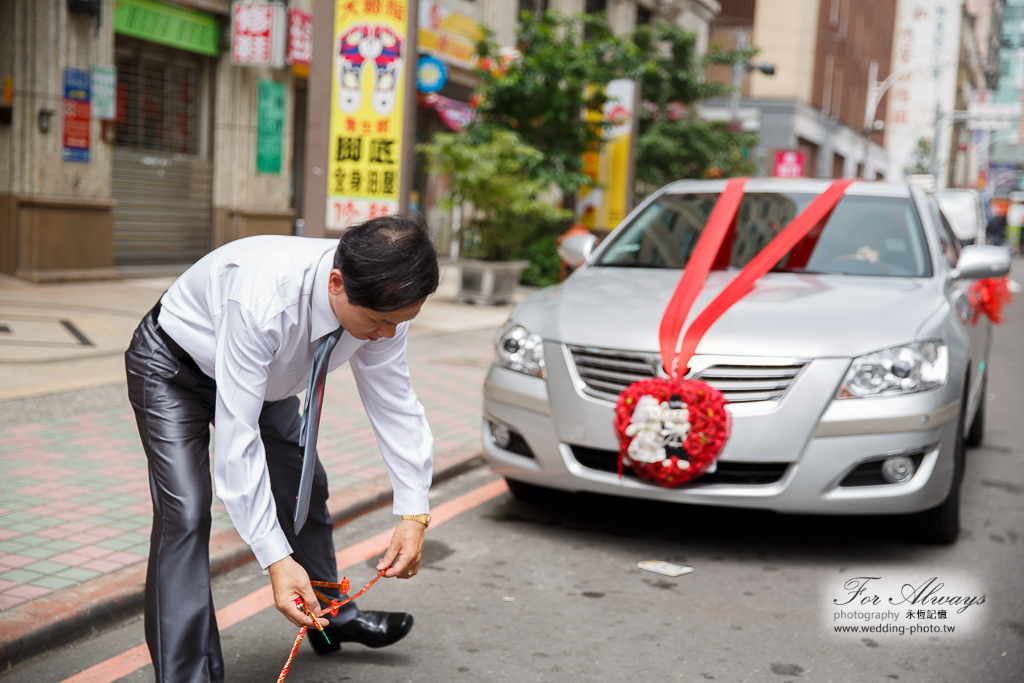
(75, 509)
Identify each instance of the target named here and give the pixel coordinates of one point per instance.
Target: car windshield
(863, 236)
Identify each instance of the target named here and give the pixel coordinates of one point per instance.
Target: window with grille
(158, 91)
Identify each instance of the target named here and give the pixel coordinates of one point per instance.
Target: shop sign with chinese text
(269, 127)
(300, 37)
(165, 24)
(367, 102)
(75, 115)
(104, 92)
(604, 206)
(448, 35)
(258, 34)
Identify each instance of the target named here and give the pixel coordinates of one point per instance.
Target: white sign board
(104, 92)
(926, 46)
(259, 34)
(991, 116)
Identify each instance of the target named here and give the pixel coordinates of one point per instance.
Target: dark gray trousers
(174, 405)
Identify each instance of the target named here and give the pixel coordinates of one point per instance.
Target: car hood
(786, 314)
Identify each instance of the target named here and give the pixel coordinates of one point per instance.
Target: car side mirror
(576, 250)
(978, 261)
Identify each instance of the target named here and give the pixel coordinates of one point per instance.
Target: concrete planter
(488, 282)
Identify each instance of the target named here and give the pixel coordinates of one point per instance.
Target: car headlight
(900, 370)
(519, 350)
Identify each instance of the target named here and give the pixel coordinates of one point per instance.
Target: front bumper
(813, 441)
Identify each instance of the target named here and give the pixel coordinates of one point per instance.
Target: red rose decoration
(677, 433)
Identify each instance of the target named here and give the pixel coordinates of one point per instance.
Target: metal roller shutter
(161, 177)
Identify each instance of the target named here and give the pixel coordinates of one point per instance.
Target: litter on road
(664, 568)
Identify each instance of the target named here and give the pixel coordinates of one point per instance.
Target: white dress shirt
(251, 314)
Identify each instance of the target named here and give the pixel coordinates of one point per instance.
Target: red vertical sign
(300, 36)
(76, 115)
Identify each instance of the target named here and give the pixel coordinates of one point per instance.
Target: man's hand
(290, 581)
(407, 548)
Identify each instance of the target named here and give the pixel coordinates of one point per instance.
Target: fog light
(897, 469)
(501, 435)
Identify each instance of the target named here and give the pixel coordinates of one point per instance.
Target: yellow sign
(367, 102)
(447, 34)
(603, 207)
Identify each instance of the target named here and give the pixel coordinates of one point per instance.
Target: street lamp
(997, 180)
(876, 90)
(741, 69)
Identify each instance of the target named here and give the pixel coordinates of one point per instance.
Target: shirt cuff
(411, 503)
(271, 548)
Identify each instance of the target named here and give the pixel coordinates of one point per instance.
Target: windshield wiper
(631, 264)
(805, 271)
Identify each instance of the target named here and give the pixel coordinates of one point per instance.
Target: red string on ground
(344, 586)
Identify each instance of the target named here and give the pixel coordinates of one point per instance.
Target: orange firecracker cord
(343, 586)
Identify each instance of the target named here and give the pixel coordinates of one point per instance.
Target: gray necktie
(311, 423)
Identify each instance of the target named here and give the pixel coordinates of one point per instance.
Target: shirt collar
(322, 316)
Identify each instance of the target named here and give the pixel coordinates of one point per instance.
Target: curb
(73, 613)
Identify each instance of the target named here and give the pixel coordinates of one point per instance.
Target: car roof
(866, 188)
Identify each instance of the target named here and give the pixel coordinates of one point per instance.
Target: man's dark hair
(387, 263)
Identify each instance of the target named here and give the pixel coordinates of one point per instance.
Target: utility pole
(738, 71)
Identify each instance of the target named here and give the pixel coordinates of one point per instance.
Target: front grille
(605, 373)
(741, 473)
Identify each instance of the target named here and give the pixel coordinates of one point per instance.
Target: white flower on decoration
(654, 426)
(647, 444)
(647, 410)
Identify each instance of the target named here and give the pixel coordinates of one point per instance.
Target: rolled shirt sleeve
(243, 357)
(398, 419)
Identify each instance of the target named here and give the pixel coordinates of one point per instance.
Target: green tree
(490, 172)
(673, 141)
(921, 161)
(561, 69)
(560, 72)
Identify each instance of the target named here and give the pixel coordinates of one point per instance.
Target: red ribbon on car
(676, 347)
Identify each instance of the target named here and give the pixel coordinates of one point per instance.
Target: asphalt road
(512, 591)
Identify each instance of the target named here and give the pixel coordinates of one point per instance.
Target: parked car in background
(853, 382)
(966, 214)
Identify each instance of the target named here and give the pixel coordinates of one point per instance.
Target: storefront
(445, 82)
(162, 166)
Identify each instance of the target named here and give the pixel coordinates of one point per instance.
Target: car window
(863, 236)
(947, 238)
(960, 207)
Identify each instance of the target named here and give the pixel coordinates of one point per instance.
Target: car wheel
(528, 493)
(976, 436)
(942, 524)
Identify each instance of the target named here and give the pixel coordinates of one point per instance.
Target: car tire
(528, 493)
(941, 525)
(976, 436)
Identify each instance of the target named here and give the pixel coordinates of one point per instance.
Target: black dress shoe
(372, 629)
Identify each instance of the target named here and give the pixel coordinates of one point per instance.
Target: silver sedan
(853, 381)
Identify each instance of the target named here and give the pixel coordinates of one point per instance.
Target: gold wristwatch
(422, 519)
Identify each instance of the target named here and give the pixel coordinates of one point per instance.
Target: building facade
(133, 139)
(1006, 170)
(813, 109)
(169, 173)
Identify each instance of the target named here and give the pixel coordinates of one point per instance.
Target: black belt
(173, 346)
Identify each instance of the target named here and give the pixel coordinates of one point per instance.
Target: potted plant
(492, 179)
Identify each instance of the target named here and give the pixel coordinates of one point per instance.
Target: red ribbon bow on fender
(682, 425)
(989, 295)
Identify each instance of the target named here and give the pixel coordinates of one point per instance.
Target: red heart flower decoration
(686, 458)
